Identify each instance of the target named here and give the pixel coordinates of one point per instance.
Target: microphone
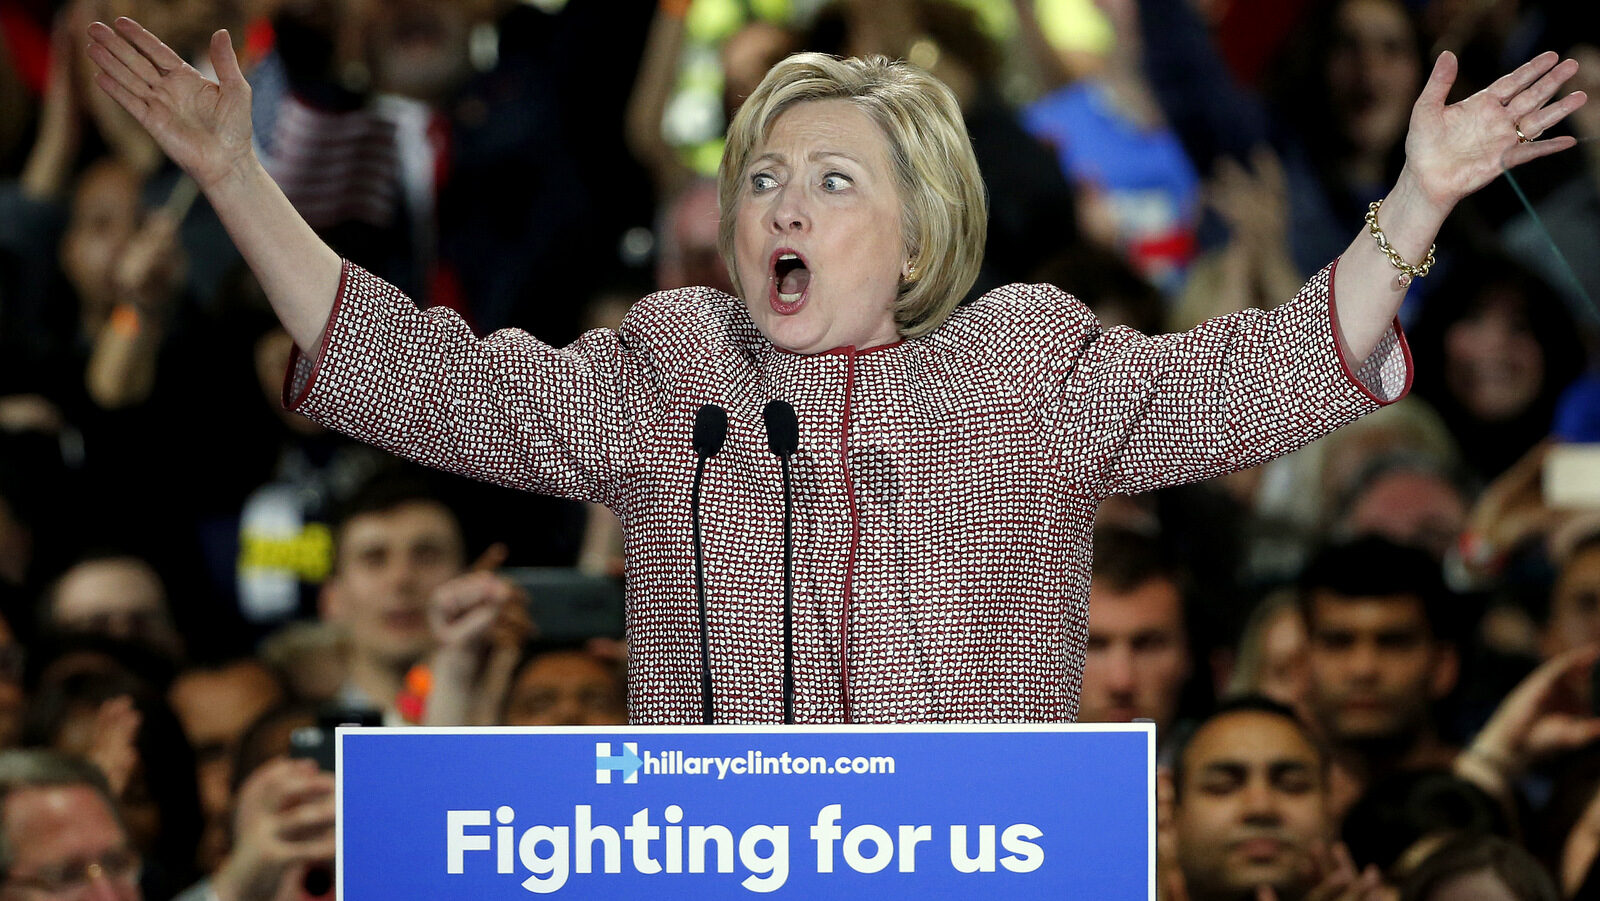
(783, 437)
(710, 430)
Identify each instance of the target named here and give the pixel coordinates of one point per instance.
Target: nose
(789, 211)
(1260, 802)
(1118, 670)
(1363, 662)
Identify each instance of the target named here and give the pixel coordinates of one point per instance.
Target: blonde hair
(944, 213)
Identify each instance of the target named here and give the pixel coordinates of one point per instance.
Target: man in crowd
(1138, 658)
(1378, 660)
(1249, 804)
(566, 685)
(395, 543)
(60, 835)
(114, 594)
(1408, 498)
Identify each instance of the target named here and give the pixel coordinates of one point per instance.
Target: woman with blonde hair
(947, 463)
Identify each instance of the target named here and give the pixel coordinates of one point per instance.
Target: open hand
(204, 126)
(1453, 150)
(114, 748)
(1338, 879)
(1541, 717)
(284, 823)
(151, 269)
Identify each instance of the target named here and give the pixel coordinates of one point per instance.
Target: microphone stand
(710, 430)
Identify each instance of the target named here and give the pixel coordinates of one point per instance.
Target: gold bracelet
(1407, 271)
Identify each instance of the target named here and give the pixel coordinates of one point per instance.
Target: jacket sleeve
(506, 408)
(1230, 393)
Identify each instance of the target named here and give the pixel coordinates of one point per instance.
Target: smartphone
(569, 605)
(1572, 477)
(317, 742)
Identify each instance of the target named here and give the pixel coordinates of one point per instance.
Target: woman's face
(1493, 363)
(1373, 73)
(817, 236)
(105, 216)
(1284, 677)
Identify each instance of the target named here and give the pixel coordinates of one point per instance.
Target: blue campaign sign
(885, 812)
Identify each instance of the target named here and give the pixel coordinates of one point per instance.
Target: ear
(1446, 670)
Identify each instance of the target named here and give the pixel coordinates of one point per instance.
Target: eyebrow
(1280, 765)
(780, 158)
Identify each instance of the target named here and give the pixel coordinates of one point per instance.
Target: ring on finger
(1521, 138)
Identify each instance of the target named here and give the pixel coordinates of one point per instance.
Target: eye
(833, 182)
(761, 182)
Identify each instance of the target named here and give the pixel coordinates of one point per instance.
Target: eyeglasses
(74, 878)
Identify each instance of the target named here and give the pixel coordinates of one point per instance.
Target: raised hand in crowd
(284, 825)
(30, 413)
(148, 278)
(1254, 268)
(114, 745)
(480, 621)
(1582, 848)
(60, 129)
(1543, 716)
(1509, 512)
(1340, 880)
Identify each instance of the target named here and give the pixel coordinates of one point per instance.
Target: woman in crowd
(949, 462)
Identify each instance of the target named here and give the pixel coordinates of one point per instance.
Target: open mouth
(790, 278)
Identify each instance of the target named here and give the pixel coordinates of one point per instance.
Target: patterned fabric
(945, 487)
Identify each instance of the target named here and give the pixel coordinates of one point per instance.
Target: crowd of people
(1370, 663)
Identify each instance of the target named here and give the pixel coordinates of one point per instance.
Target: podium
(880, 812)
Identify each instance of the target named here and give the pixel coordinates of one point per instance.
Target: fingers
(224, 60)
(492, 557)
(1568, 734)
(118, 46)
(278, 782)
(161, 57)
(306, 820)
(1509, 85)
(1541, 91)
(118, 81)
(1540, 121)
(118, 720)
(1440, 80)
(1551, 672)
(1269, 171)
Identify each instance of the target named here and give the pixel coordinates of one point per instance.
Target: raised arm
(1451, 151)
(204, 126)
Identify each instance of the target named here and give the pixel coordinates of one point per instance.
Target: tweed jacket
(945, 486)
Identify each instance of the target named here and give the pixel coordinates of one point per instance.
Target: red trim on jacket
(855, 533)
(1339, 345)
(291, 403)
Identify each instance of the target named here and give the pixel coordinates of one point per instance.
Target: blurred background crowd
(1369, 662)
